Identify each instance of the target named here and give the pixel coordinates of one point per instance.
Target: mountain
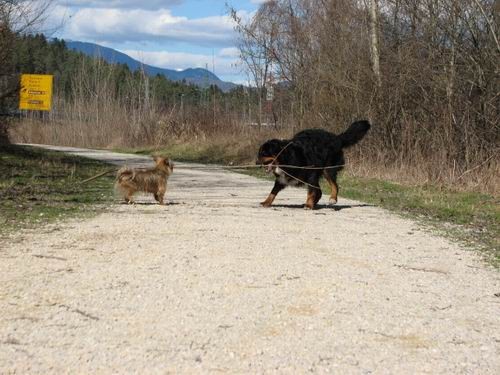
(197, 76)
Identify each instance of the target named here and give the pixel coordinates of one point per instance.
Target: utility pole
(213, 71)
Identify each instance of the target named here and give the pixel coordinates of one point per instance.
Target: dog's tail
(124, 174)
(354, 133)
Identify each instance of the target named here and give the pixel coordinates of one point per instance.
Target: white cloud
(120, 4)
(118, 25)
(127, 25)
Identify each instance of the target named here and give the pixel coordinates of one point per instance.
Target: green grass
(39, 186)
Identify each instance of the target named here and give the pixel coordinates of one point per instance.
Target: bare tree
(256, 46)
(425, 71)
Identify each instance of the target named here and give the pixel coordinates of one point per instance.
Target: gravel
(213, 283)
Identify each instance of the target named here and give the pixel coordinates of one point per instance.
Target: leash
(298, 179)
(104, 173)
(247, 166)
(279, 153)
(244, 166)
(99, 175)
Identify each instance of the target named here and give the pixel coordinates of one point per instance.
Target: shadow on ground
(336, 207)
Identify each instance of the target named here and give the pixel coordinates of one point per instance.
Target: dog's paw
(307, 207)
(332, 201)
(265, 204)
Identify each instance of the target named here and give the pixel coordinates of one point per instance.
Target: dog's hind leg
(128, 196)
(331, 178)
(274, 192)
(126, 193)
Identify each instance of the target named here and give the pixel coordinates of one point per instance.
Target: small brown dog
(153, 180)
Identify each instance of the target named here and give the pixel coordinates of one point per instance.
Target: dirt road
(213, 283)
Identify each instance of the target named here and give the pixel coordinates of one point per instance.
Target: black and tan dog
(152, 180)
(314, 148)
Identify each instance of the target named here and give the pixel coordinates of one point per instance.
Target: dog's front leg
(274, 192)
(160, 195)
(313, 197)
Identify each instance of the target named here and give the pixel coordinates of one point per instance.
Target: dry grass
(229, 141)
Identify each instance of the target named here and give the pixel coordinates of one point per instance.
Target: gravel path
(213, 283)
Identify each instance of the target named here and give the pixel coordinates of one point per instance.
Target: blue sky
(174, 34)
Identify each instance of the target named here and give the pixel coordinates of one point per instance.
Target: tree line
(425, 72)
(34, 54)
(90, 91)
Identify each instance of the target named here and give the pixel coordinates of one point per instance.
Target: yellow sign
(36, 92)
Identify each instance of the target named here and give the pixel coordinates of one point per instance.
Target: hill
(197, 76)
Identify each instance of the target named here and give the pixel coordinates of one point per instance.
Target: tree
(256, 46)
(16, 18)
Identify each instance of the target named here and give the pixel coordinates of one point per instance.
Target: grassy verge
(472, 218)
(39, 186)
(475, 217)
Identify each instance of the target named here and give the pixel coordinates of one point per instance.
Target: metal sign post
(36, 92)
